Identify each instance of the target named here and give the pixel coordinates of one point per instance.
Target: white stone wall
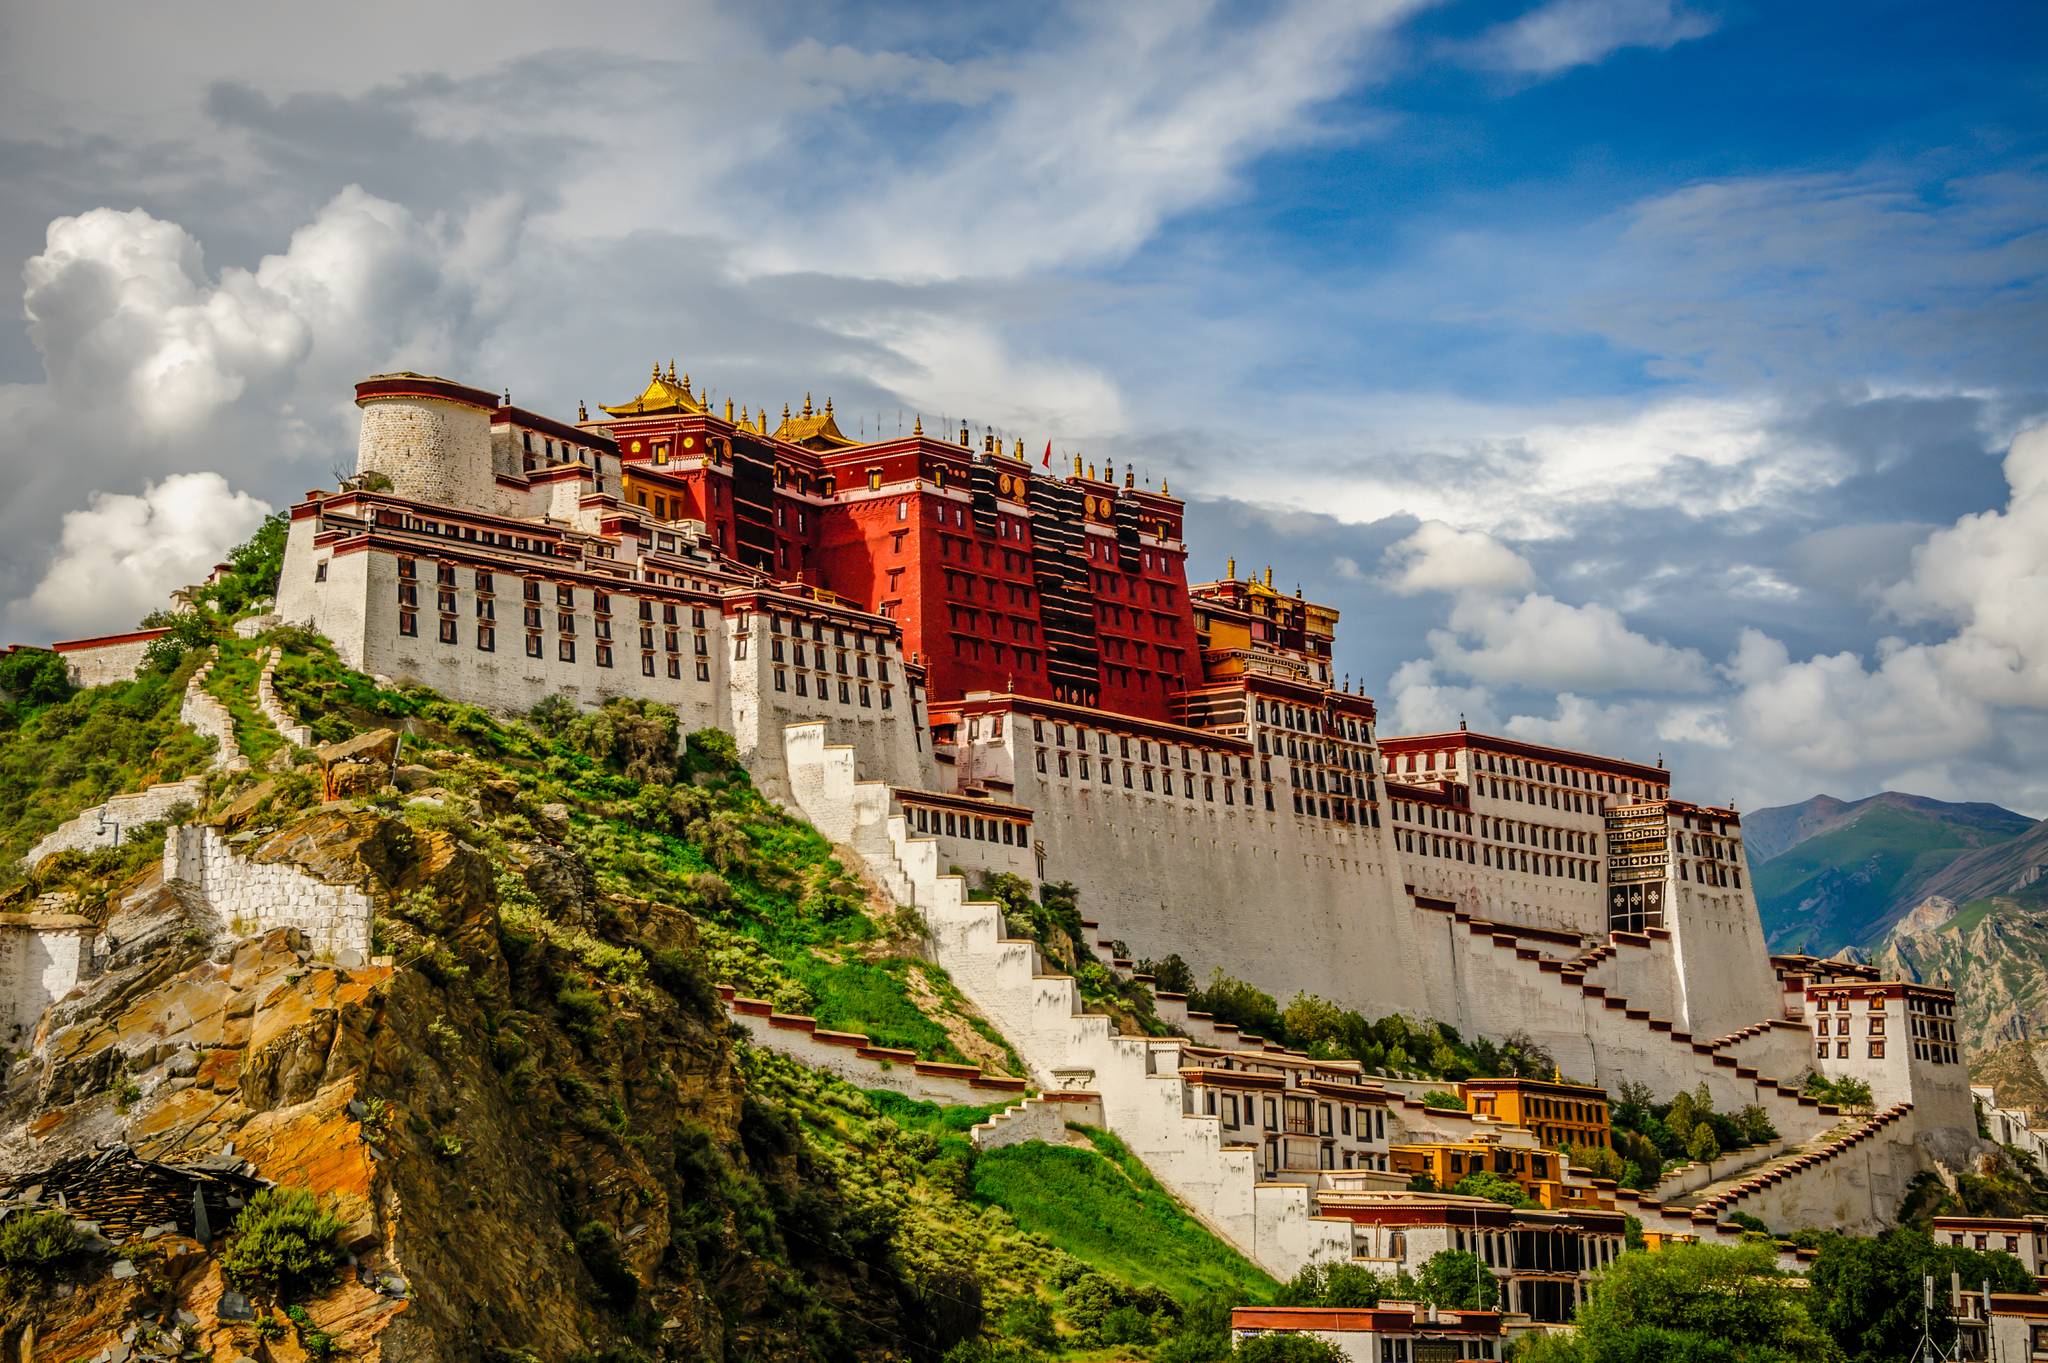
(1725, 979)
(257, 897)
(1230, 886)
(42, 958)
(431, 449)
(123, 813)
(105, 663)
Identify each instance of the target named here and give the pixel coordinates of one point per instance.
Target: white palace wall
(42, 957)
(1280, 900)
(1724, 971)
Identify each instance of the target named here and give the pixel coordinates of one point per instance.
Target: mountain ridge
(1831, 873)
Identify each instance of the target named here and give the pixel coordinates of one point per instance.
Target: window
(408, 624)
(533, 645)
(486, 638)
(447, 630)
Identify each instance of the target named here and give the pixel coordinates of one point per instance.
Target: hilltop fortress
(948, 655)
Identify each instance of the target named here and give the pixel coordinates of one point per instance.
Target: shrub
(39, 1243)
(284, 1242)
(1494, 1187)
(1443, 1099)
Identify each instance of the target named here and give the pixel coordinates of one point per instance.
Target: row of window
(849, 692)
(1303, 1117)
(977, 827)
(1490, 857)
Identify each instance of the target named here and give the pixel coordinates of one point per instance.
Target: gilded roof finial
(686, 383)
(828, 404)
(1091, 473)
(807, 404)
(582, 411)
(1020, 447)
(1109, 470)
(1077, 466)
(671, 369)
(1230, 568)
(728, 411)
(1269, 574)
(1130, 478)
(963, 435)
(1162, 486)
(657, 369)
(745, 418)
(785, 412)
(917, 426)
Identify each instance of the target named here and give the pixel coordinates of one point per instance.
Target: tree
(1332, 1285)
(1492, 1186)
(1455, 1278)
(1699, 1303)
(1866, 1293)
(186, 632)
(33, 677)
(1444, 1099)
(1755, 1124)
(1287, 1348)
(1703, 1147)
(253, 569)
(284, 1241)
(1170, 974)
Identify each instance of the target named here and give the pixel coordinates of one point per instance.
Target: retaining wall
(258, 897)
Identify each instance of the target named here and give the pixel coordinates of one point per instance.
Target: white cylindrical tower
(431, 437)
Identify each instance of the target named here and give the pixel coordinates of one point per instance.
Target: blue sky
(1640, 374)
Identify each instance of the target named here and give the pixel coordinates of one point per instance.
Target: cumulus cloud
(1443, 558)
(1563, 34)
(1539, 641)
(122, 555)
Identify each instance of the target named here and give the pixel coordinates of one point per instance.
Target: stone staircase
(1134, 1079)
(1041, 1117)
(268, 705)
(1616, 1027)
(203, 713)
(1754, 1186)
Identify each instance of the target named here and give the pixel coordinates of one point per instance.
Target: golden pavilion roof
(813, 429)
(663, 396)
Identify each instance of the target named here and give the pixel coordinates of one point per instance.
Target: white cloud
(1442, 558)
(122, 555)
(1566, 33)
(1541, 642)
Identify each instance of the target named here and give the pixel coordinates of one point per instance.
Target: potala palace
(954, 659)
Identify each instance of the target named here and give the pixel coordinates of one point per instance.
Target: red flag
(1047, 461)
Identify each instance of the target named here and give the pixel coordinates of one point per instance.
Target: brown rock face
(510, 1168)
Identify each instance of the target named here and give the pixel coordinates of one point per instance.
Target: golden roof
(813, 429)
(663, 396)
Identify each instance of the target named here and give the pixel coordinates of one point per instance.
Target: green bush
(1443, 1099)
(284, 1242)
(39, 1244)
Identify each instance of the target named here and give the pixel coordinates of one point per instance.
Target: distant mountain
(1832, 873)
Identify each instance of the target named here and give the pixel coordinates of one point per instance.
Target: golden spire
(1230, 569)
(1109, 470)
(828, 402)
(728, 411)
(657, 371)
(1077, 466)
(1162, 485)
(1020, 447)
(745, 420)
(582, 412)
(807, 404)
(671, 370)
(1091, 473)
(917, 426)
(785, 411)
(1130, 479)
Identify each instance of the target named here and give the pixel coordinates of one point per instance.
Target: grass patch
(68, 756)
(1104, 1208)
